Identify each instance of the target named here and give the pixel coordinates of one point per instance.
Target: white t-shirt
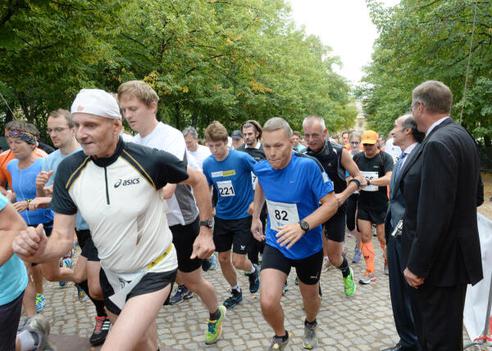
(200, 154)
(166, 138)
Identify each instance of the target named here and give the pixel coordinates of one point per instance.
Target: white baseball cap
(96, 102)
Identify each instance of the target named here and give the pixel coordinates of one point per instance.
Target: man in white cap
(116, 187)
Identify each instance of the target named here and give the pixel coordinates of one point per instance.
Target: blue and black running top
(292, 194)
(231, 179)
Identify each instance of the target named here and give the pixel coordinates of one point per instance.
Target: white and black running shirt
(119, 198)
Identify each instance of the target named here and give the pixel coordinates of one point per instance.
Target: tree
(430, 39)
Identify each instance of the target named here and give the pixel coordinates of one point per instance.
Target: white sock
(253, 269)
(236, 287)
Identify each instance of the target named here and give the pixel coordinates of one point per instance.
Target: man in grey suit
(405, 135)
(440, 183)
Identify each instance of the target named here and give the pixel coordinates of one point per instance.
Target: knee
(269, 303)
(224, 258)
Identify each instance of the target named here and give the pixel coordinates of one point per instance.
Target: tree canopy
(421, 40)
(227, 60)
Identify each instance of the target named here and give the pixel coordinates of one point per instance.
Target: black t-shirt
(372, 168)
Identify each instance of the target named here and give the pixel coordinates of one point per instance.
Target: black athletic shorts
(89, 251)
(373, 216)
(150, 283)
(183, 238)
(308, 269)
(335, 227)
(9, 321)
(235, 233)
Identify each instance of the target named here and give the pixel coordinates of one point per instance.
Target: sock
(236, 287)
(27, 340)
(344, 268)
(310, 324)
(99, 305)
(215, 315)
(283, 337)
(369, 255)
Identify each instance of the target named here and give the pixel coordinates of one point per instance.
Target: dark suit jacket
(440, 182)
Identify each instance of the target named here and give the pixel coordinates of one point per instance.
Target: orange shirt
(5, 158)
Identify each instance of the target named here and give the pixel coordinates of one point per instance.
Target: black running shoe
(182, 293)
(101, 330)
(233, 300)
(254, 280)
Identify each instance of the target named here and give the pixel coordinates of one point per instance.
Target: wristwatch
(304, 225)
(209, 223)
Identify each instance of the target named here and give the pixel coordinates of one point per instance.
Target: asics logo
(125, 182)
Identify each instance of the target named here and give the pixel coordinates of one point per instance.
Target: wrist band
(356, 181)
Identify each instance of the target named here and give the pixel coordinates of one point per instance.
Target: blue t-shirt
(51, 163)
(13, 274)
(293, 193)
(24, 186)
(231, 179)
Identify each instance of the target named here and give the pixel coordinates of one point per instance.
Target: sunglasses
(354, 143)
(367, 145)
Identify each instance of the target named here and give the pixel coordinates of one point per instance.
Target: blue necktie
(399, 164)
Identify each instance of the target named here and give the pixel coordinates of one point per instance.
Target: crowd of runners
(158, 207)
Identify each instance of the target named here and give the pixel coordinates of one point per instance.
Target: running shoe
(182, 293)
(326, 264)
(367, 278)
(279, 343)
(214, 328)
(213, 262)
(40, 326)
(310, 339)
(254, 279)
(82, 296)
(233, 300)
(349, 285)
(40, 303)
(285, 289)
(101, 330)
(67, 263)
(357, 255)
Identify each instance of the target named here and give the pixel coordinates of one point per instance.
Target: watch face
(304, 226)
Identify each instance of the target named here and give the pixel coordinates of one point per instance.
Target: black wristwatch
(209, 223)
(304, 225)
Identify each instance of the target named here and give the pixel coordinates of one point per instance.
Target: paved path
(363, 322)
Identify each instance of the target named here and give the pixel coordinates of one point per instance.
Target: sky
(343, 25)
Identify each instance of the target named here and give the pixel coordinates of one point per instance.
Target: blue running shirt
(293, 193)
(231, 179)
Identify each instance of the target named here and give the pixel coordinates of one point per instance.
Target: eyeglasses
(55, 130)
(354, 143)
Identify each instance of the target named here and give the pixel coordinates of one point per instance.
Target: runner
(251, 131)
(138, 103)
(229, 172)
(134, 242)
(376, 166)
(293, 235)
(62, 133)
(199, 152)
(336, 161)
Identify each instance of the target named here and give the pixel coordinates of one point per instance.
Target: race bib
(281, 213)
(370, 176)
(225, 188)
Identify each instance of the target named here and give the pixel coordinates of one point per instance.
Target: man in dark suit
(406, 136)
(440, 242)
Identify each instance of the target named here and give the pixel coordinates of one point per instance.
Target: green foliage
(430, 39)
(229, 60)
